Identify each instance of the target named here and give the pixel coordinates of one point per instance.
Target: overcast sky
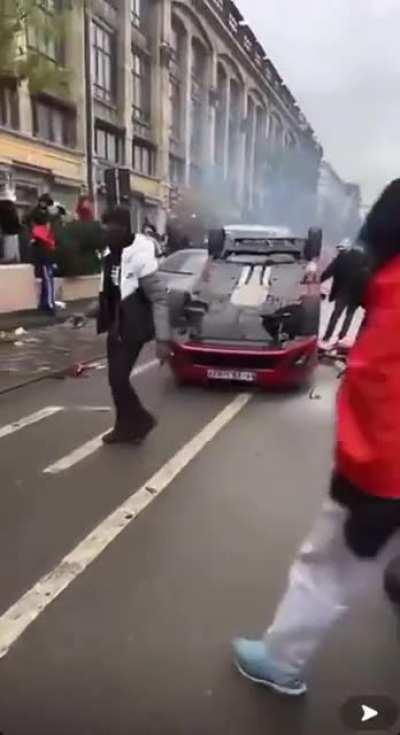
(341, 60)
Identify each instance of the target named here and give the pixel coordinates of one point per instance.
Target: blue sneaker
(251, 660)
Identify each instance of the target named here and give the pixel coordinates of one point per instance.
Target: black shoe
(151, 425)
(117, 436)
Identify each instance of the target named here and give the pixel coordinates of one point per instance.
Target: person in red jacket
(345, 548)
(43, 245)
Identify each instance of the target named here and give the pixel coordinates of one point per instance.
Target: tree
(32, 33)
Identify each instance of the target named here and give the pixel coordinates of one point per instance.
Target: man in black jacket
(342, 269)
(133, 309)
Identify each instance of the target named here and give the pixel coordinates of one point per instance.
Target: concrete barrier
(81, 287)
(17, 288)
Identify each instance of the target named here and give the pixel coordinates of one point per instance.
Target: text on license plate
(242, 375)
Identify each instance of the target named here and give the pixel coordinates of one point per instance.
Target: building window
(197, 99)
(137, 10)
(176, 44)
(54, 123)
(196, 127)
(176, 171)
(103, 62)
(248, 44)
(141, 71)
(9, 109)
(108, 145)
(43, 41)
(42, 36)
(176, 108)
(233, 23)
(143, 159)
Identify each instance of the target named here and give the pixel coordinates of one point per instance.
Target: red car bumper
(290, 366)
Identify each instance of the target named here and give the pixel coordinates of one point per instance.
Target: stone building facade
(43, 135)
(178, 93)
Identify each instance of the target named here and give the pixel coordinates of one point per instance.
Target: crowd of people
(34, 238)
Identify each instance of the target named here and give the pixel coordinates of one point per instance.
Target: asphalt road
(130, 634)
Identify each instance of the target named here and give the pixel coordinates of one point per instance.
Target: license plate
(240, 375)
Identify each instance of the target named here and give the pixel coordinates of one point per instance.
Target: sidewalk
(46, 352)
(36, 319)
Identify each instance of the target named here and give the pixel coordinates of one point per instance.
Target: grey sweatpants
(324, 579)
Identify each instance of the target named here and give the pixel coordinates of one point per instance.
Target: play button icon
(369, 713)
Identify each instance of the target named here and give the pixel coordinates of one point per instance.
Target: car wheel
(313, 246)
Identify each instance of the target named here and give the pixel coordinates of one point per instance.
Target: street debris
(78, 370)
(77, 321)
(20, 331)
(7, 337)
(31, 341)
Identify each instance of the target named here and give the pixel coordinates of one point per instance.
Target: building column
(25, 109)
(212, 113)
(226, 132)
(252, 167)
(162, 108)
(125, 87)
(242, 163)
(188, 104)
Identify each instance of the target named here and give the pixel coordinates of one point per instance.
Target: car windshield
(184, 262)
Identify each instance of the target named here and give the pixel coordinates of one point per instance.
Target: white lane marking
(144, 368)
(77, 455)
(33, 418)
(19, 616)
(93, 445)
(94, 409)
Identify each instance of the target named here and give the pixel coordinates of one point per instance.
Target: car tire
(216, 242)
(313, 246)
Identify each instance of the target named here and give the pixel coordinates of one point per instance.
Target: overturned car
(251, 314)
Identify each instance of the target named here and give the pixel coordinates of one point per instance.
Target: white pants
(323, 580)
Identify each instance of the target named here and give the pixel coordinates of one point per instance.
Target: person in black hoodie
(342, 269)
(133, 309)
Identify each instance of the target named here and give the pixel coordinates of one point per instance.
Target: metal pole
(89, 104)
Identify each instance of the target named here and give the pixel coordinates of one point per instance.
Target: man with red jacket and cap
(363, 512)
(43, 245)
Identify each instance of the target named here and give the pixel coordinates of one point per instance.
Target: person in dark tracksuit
(341, 269)
(133, 309)
(357, 531)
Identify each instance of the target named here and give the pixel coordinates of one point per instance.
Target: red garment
(84, 212)
(44, 236)
(368, 408)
